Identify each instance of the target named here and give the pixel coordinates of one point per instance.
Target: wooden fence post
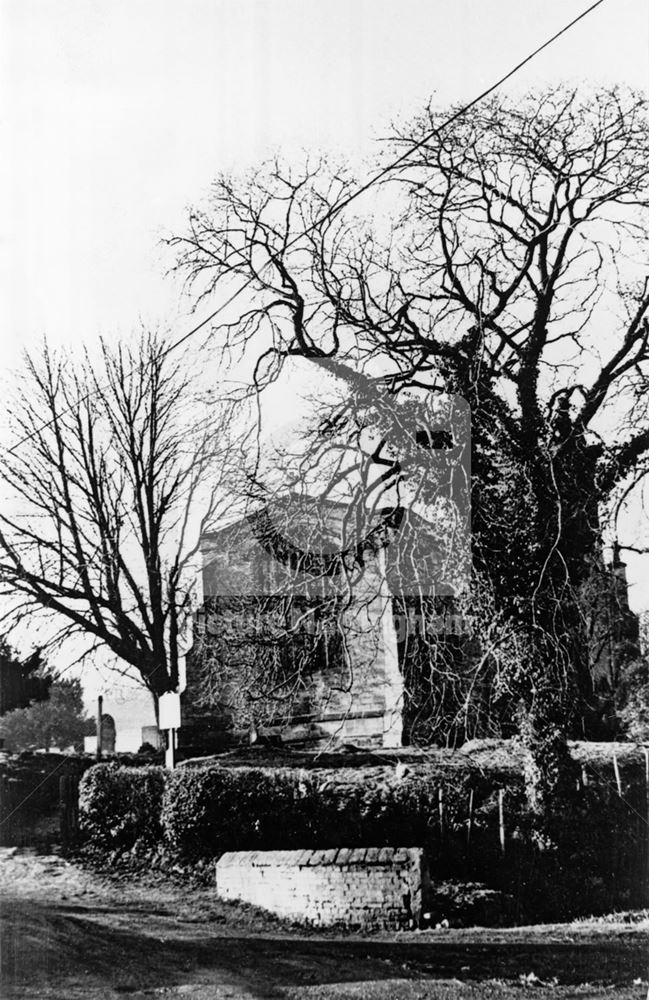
(646, 825)
(618, 779)
(469, 825)
(6, 809)
(100, 727)
(501, 818)
(68, 810)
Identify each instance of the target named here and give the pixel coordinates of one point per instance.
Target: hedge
(215, 808)
(120, 807)
(198, 813)
(210, 810)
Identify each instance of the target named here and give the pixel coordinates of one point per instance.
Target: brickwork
(364, 887)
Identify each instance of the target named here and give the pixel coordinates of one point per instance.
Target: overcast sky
(116, 114)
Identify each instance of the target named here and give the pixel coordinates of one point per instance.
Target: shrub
(120, 807)
(599, 863)
(213, 809)
(632, 697)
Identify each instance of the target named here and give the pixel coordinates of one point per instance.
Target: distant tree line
(39, 709)
(22, 681)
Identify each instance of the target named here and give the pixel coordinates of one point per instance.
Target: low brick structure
(362, 887)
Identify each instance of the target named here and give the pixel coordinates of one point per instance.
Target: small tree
(110, 483)
(58, 722)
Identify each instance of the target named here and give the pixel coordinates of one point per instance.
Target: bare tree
(512, 271)
(108, 487)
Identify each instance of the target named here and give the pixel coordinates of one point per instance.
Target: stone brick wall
(364, 887)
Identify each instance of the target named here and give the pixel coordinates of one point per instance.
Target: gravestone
(108, 734)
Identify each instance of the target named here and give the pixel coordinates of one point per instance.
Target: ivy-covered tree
(510, 269)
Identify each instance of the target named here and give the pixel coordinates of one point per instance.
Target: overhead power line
(366, 185)
(343, 203)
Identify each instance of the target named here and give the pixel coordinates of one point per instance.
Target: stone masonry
(355, 693)
(362, 887)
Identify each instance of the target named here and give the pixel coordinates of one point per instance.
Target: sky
(116, 115)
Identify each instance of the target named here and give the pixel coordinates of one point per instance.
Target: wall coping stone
(312, 858)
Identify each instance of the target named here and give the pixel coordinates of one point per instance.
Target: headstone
(108, 734)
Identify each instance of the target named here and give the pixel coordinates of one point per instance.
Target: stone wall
(364, 887)
(355, 696)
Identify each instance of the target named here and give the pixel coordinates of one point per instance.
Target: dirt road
(69, 933)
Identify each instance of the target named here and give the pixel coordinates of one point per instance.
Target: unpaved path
(69, 933)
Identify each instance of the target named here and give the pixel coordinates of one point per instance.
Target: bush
(632, 697)
(213, 809)
(599, 863)
(120, 807)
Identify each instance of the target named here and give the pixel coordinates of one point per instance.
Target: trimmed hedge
(197, 813)
(120, 807)
(202, 812)
(214, 809)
